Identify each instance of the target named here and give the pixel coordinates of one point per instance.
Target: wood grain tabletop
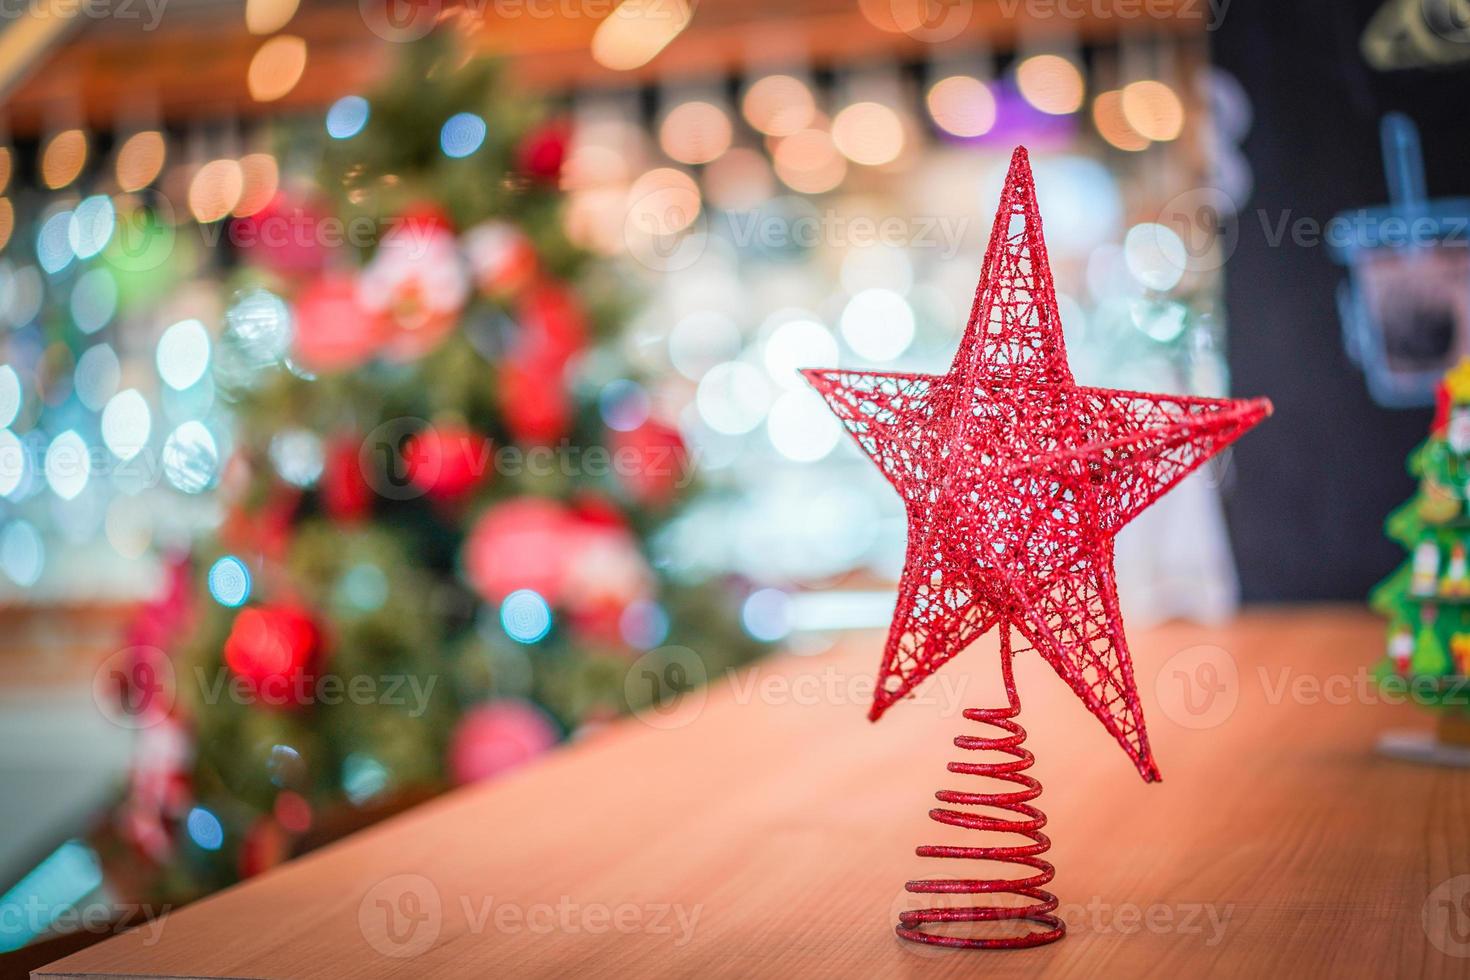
(766, 829)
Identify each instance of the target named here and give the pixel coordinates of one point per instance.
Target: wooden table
(770, 834)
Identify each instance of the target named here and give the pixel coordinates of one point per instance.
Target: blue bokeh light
(347, 116)
(204, 829)
(229, 581)
(463, 134)
(525, 616)
(767, 614)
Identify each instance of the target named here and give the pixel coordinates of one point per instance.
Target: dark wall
(1312, 485)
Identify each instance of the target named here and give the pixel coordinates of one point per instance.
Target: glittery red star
(1016, 479)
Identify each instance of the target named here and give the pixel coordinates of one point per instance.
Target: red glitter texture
(1015, 480)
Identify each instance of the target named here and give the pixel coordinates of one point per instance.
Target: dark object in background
(1311, 492)
(1405, 306)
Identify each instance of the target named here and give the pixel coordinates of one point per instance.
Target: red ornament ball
(285, 236)
(447, 461)
(652, 462)
(501, 257)
(497, 737)
(346, 495)
(544, 150)
(273, 649)
(334, 331)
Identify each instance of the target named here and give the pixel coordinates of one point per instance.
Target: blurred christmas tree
(1427, 599)
(434, 559)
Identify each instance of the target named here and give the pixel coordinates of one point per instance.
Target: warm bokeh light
(1051, 83)
(869, 133)
(962, 105)
(809, 162)
(63, 158)
(276, 67)
(779, 105)
(633, 34)
(593, 219)
(739, 180)
(260, 178)
(7, 221)
(1153, 110)
(662, 202)
(268, 16)
(5, 167)
(1107, 116)
(215, 190)
(140, 159)
(695, 132)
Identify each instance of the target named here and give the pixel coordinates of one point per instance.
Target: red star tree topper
(1016, 479)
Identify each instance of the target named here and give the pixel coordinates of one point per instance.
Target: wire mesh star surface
(1016, 480)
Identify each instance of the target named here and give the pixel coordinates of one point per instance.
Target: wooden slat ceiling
(192, 65)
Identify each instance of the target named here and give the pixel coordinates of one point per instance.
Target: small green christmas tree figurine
(1427, 599)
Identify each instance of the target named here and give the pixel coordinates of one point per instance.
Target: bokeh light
(93, 299)
(215, 190)
(525, 616)
(268, 16)
(1112, 125)
(1153, 110)
(662, 202)
(97, 375)
(962, 105)
(183, 354)
(766, 615)
(12, 462)
(634, 33)
(732, 398)
(91, 225)
(298, 456)
(1155, 256)
(229, 581)
(63, 158)
(11, 395)
(205, 829)
(462, 134)
(260, 177)
(68, 465)
(779, 105)
(796, 344)
(1050, 83)
(878, 324)
(807, 161)
(276, 67)
(140, 159)
(347, 117)
(695, 132)
(190, 457)
(22, 553)
(126, 424)
(53, 243)
(869, 133)
(624, 405)
(802, 427)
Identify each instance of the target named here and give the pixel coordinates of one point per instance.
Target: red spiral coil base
(1042, 903)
